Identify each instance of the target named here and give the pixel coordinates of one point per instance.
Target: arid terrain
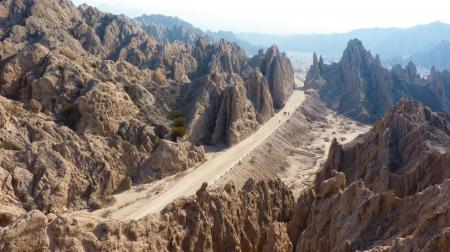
(145, 199)
(297, 149)
(150, 134)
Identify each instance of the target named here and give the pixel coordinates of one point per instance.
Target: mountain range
(392, 44)
(96, 107)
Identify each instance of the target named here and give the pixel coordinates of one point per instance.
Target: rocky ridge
(359, 87)
(385, 191)
(87, 100)
(166, 29)
(253, 219)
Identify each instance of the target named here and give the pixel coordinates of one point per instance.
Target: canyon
(148, 134)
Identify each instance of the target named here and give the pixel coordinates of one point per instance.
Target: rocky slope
(253, 219)
(406, 151)
(388, 190)
(358, 85)
(87, 101)
(380, 206)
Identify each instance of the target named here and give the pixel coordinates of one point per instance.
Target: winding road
(210, 171)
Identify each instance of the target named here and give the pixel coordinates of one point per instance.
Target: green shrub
(177, 132)
(179, 122)
(176, 113)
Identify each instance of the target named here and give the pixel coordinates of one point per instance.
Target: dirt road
(134, 206)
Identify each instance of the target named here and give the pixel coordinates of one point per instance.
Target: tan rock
(104, 107)
(170, 158)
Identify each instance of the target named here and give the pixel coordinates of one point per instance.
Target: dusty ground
(297, 149)
(152, 198)
(291, 146)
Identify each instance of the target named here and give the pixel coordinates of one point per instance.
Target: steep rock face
(359, 87)
(222, 113)
(406, 151)
(385, 191)
(280, 75)
(439, 82)
(352, 218)
(252, 219)
(313, 78)
(258, 93)
(228, 104)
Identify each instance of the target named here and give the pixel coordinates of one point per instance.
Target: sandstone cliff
(388, 190)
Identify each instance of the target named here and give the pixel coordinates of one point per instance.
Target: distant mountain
(167, 29)
(230, 36)
(359, 87)
(438, 56)
(389, 42)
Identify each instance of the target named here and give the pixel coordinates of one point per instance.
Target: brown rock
(406, 151)
(248, 220)
(170, 158)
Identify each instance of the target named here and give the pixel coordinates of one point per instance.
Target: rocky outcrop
(230, 116)
(253, 219)
(235, 97)
(353, 218)
(258, 93)
(170, 158)
(406, 152)
(385, 191)
(277, 67)
(358, 85)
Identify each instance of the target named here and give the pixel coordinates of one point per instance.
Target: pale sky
(286, 16)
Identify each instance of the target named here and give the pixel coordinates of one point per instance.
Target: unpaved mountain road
(132, 204)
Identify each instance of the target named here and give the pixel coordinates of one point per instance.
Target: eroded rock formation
(87, 100)
(388, 190)
(358, 85)
(253, 219)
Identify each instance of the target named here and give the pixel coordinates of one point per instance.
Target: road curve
(211, 170)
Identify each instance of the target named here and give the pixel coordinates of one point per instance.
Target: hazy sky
(286, 16)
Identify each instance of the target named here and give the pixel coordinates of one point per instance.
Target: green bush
(178, 132)
(179, 122)
(176, 113)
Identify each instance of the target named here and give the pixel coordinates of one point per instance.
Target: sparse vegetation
(176, 113)
(177, 132)
(70, 115)
(178, 123)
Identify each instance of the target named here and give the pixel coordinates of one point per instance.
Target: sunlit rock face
(358, 85)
